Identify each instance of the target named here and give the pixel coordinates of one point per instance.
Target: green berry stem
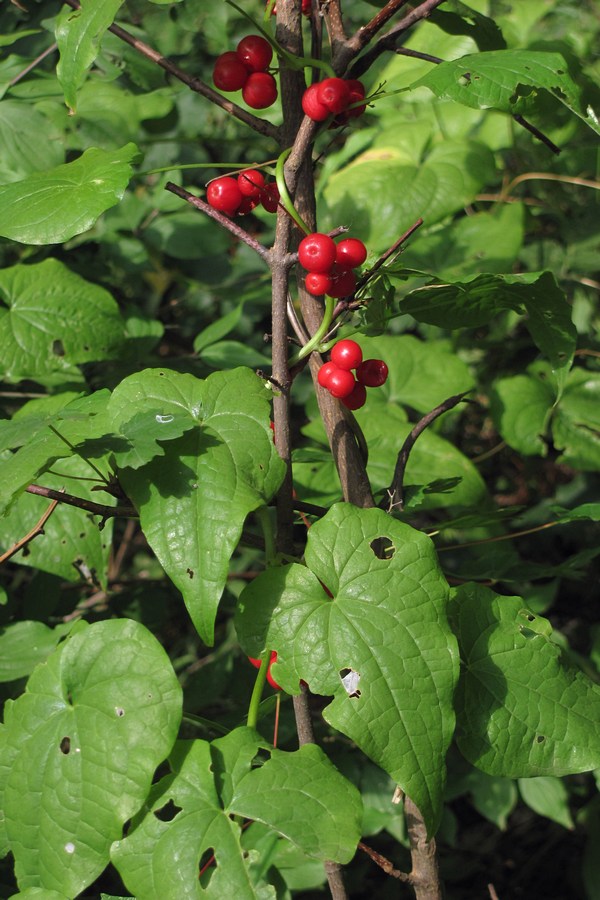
(264, 520)
(257, 690)
(284, 197)
(315, 341)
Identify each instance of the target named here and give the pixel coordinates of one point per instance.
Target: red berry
(255, 52)
(247, 205)
(357, 93)
(343, 282)
(269, 197)
(350, 253)
(356, 398)
(316, 252)
(257, 662)
(229, 73)
(346, 355)
(372, 372)
(312, 106)
(224, 194)
(260, 90)
(306, 7)
(340, 383)
(250, 182)
(325, 373)
(334, 94)
(317, 283)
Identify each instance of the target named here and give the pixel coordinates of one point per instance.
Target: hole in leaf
(540, 738)
(383, 548)
(69, 847)
(57, 348)
(531, 617)
(190, 572)
(527, 632)
(167, 812)
(350, 680)
(65, 745)
(119, 711)
(261, 757)
(208, 864)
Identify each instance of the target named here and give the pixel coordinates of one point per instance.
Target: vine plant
(360, 612)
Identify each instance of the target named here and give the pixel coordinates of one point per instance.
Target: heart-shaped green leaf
(380, 644)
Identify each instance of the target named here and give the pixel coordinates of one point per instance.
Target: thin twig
(262, 126)
(395, 492)
(549, 176)
(35, 531)
(384, 863)
(219, 217)
(502, 537)
(389, 252)
(97, 509)
(33, 64)
(538, 134)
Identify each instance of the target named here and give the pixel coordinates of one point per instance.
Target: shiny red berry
(255, 52)
(269, 197)
(325, 373)
(346, 355)
(356, 398)
(316, 252)
(372, 372)
(247, 205)
(343, 282)
(260, 90)
(229, 72)
(312, 106)
(334, 94)
(350, 253)
(317, 283)
(340, 383)
(224, 194)
(357, 93)
(251, 182)
(257, 662)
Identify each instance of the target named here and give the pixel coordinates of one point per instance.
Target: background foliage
(115, 299)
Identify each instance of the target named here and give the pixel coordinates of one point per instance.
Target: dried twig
(35, 531)
(97, 509)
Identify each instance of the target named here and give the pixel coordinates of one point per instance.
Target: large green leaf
(79, 33)
(22, 150)
(498, 79)
(300, 795)
(381, 193)
(79, 750)
(52, 206)
(521, 407)
(52, 319)
(475, 302)
(370, 628)
(522, 708)
(193, 501)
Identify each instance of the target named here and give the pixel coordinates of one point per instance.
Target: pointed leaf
(522, 708)
(79, 749)
(51, 207)
(499, 78)
(381, 645)
(79, 33)
(193, 501)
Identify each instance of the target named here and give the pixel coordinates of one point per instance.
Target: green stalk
(319, 334)
(258, 689)
(285, 199)
(264, 518)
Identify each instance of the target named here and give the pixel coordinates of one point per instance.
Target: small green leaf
(497, 79)
(52, 319)
(22, 151)
(25, 644)
(547, 796)
(522, 708)
(79, 33)
(79, 750)
(576, 422)
(521, 407)
(194, 499)
(218, 329)
(52, 206)
(379, 642)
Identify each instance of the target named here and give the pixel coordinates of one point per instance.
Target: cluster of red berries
(336, 375)
(334, 96)
(245, 70)
(270, 679)
(329, 265)
(242, 194)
